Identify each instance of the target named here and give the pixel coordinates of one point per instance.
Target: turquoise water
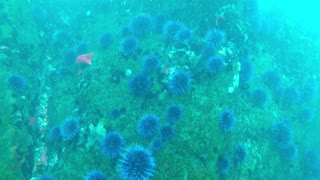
(159, 89)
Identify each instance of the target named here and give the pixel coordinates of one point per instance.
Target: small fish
(84, 60)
